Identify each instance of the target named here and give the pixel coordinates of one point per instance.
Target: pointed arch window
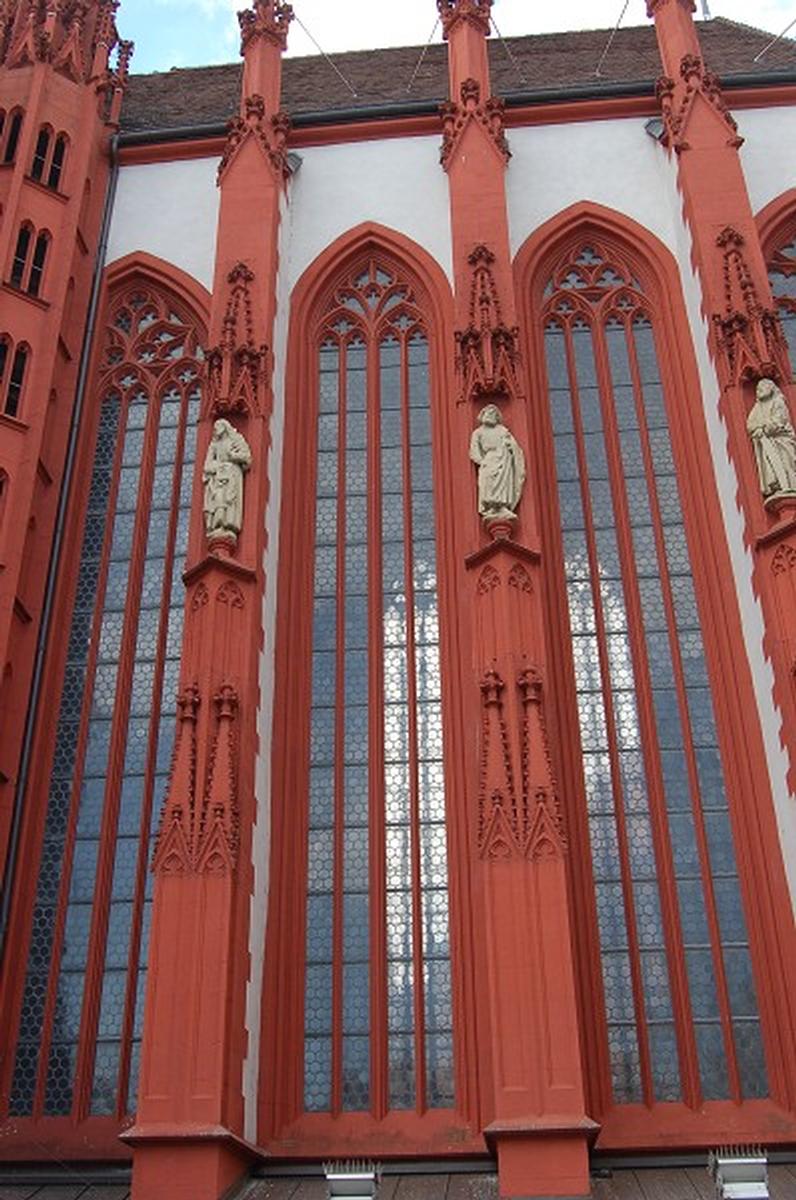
(678, 1014)
(9, 135)
(27, 265)
(81, 1010)
(782, 277)
(40, 152)
(377, 1024)
(16, 381)
(48, 158)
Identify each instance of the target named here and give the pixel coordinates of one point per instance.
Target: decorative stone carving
(76, 37)
(237, 368)
(527, 825)
(269, 19)
(270, 134)
(201, 838)
(455, 118)
(748, 332)
(173, 851)
(477, 12)
(784, 560)
(218, 833)
(487, 350)
(699, 82)
(501, 467)
(228, 458)
(774, 441)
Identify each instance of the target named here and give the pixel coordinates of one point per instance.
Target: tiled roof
(210, 95)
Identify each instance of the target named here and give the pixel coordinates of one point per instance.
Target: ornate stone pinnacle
(267, 18)
(477, 12)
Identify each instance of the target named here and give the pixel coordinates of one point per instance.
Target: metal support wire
(774, 41)
(512, 58)
(423, 54)
(323, 54)
(610, 42)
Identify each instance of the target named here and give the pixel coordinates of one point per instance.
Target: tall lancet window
(678, 1014)
(81, 1009)
(782, 277)
(377, 984)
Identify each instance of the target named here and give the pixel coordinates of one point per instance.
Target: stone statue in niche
(501, 466)
(228, 457)
(774, 441)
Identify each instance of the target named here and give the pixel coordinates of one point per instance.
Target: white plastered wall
(396, 182)
(616, 164)
(768, 154)
(170, 210)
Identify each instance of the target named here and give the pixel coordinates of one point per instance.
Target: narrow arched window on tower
(40, 152)
(3, 495)
(57, 163)
(4, 349)
(37, 266)
(15, 383)
(14, 128)
(20, 259)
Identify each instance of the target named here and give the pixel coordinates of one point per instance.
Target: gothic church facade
(397, 601)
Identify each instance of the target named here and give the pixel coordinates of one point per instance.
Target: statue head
(766, 389)
(490, 415)
(221, 427)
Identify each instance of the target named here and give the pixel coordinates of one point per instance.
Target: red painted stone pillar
(746, 342)
(55, 73)
(188, 1137)
(534, 1115)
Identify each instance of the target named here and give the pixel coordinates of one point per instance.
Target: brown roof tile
(210, 95)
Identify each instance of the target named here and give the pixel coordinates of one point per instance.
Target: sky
(191, 33)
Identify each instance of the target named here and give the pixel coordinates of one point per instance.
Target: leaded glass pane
(647, 728)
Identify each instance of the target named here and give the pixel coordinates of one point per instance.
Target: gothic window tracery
(679, 1001)
(377, 987)
(82, 1005)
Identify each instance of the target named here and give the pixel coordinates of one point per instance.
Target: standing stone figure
(774, 441)
(501, 466)
(228, 457)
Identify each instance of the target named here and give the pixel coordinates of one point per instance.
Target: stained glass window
(674, 947)
(377, 948)
(80, 1025)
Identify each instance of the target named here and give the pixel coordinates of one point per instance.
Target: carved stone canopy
(487, 351)
(748, 332)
